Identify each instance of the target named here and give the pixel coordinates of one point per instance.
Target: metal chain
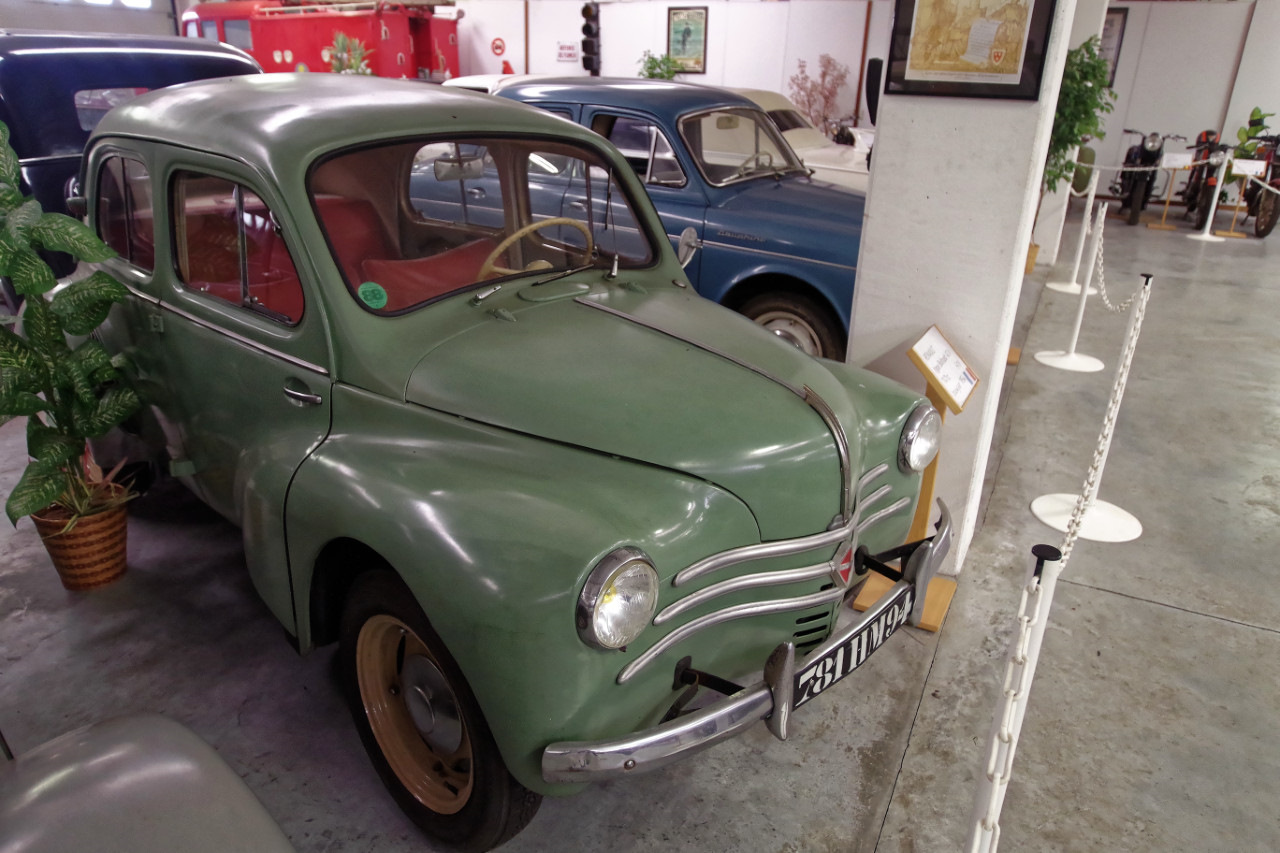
(1090, 490)
(1102, 283)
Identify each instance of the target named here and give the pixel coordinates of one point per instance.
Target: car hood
(840, 158)
(587, 367)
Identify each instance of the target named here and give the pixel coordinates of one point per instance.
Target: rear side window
(124, 214)
(645, 147)
(228, 245)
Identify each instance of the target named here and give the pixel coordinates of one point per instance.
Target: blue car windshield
(412, 222)
(739, 144)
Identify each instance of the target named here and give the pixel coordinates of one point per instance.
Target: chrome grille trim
(864, 515)
(742, 582)
(740, 611)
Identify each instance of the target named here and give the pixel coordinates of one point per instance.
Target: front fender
(495, 533)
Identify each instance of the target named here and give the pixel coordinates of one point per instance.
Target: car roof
(41, 72)
(668, 97)
(767, 99)
(288, 119)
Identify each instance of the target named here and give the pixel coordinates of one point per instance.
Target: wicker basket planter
(90, 554)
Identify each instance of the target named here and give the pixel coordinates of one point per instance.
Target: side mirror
(78, 206)
(688, 245)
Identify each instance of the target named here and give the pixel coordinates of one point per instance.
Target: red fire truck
(402, 39)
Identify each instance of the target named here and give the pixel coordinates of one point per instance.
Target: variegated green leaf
(20, 222)
(115, 405)
(39, 486)
(52, 447)
(84, 305)
(10, 195)
(87, 368)
(14, 404)
(60, 233)
(30, 274)
(42, 328)
(10, 246)
(10, 170)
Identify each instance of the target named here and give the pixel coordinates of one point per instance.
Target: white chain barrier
(1033, 612)
(1071, 284)
(1266, 186)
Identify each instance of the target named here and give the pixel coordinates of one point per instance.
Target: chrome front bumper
(770, 699)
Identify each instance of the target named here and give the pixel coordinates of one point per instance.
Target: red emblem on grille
(843, 564)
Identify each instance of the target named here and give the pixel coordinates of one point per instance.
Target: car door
(240, 354)
(655, 155)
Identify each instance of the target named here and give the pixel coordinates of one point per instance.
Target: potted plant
(1083, 100)
(658, 66)
(68, 393)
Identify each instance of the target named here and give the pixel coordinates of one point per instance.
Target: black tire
(1205, 204)
(450, 780)
(1268, 208)
(1191, 193)
(800, 321)
(1137, 196)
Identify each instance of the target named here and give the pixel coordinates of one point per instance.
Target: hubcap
(793, 330)
(414, 714)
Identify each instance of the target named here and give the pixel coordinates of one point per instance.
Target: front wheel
(420, 723)
(799, 321)
(1207, 189)
(1268, 208)
(1137, 197)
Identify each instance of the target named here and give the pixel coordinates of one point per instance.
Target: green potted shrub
(658, 66)
(1083, 100)
(69, 393)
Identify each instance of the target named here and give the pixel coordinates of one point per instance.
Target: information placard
(1175, 160)
(943, 368)
(1248, 167)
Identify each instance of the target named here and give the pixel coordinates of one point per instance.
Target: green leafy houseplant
(658, 66)
(1082, 102)
(68, 394)
(348, 55)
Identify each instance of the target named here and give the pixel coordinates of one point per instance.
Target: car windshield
(410, 222)
(737, 144)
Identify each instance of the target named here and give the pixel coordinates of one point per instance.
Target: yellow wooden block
(1015, 355)
(936, 601)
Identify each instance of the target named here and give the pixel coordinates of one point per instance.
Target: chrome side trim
(743, 582)
(739, 248)
(741, 611)
(836, 429)
(48, 158)
(241, 339)
(746, 553)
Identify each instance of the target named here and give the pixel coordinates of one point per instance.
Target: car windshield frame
(764, 165)
(432, 223)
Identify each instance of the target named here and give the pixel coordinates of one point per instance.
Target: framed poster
(1112, 38)
(687, 38)
(969, 50)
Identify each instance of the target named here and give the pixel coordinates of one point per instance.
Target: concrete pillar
(953, 191)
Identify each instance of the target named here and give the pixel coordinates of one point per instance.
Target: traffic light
(591, 38)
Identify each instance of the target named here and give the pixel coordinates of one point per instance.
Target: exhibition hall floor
(1152, 721)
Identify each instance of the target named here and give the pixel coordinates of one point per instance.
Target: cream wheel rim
(414, 714)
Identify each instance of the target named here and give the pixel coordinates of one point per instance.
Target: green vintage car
(485, 436)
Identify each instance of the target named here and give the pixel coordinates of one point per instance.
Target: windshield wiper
(564, 274)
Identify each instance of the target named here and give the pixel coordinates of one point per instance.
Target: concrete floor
(1152, 720)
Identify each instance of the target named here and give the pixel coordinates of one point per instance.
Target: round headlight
(617, 600)
(1216, 158)
(920, 438)
(1152, 142)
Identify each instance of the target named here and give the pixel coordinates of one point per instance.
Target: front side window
(412, 222)
(229, 245)
(645, 147)
(733, 145)
(124, 215)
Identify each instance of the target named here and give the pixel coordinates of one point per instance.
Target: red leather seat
(356, 234)
(413, 281)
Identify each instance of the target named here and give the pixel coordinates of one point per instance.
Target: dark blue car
(54, 87)
(777, 245)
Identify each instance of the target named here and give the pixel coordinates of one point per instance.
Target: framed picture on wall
(1112, 37)
(687, 38)
(961, 49)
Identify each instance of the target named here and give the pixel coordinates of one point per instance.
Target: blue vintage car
(778, 246)
(54, 87)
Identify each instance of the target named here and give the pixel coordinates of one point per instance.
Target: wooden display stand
(949, 382)
(1242, 169)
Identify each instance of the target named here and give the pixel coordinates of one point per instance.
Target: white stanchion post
(1069, 359)
(1073, 285)
(1213, 208)
(1100, 521)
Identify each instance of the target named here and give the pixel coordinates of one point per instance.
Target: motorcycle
(1263, 204)
(1202, 171)
(1200, 200)
(1135, 187)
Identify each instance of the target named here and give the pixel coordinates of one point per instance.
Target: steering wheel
(759, 158)
(489, 266)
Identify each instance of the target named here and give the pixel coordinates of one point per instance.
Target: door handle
(578, 205)
(476, 192)
(302, 398)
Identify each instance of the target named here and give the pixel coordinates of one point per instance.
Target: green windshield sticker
(372, 294)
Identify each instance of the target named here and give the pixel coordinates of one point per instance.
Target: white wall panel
(79, 17)
(1258, 78)
(486, 20)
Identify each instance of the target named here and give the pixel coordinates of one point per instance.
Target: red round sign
(499, 47)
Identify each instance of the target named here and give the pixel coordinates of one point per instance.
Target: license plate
(820, 673)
